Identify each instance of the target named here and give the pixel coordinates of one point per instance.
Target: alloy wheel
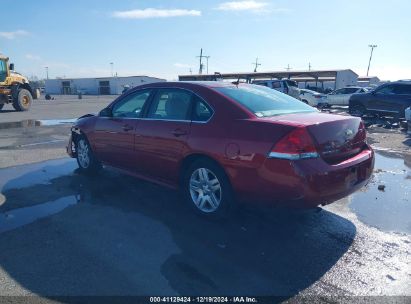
(205, 190)
(83, 154)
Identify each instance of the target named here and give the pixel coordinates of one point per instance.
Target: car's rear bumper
(305, 183)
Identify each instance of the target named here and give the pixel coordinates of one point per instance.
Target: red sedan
(222, 143)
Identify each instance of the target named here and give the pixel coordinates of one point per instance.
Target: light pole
(47, 72)
(372, 46)
(111, 66)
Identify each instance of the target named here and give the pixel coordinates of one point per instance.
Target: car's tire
(357, 110)
(305, 101)
(1, 106)
(86, 159)
(207, 190)
(23, 100)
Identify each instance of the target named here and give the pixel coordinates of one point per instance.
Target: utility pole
(191, 71)
(111, 67)
(309, 66)
(256, 65)
(288, 67)
(47, 72)
(206, 57)
(200, 70)
(372, 46)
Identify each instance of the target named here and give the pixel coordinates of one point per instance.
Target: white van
(286, 86)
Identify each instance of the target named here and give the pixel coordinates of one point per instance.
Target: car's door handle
(127, 128)
(179, 132)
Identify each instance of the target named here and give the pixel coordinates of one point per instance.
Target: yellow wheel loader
(14, 87)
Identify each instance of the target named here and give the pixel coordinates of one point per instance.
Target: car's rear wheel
(207, 190)
(357, 110)
(86, 160)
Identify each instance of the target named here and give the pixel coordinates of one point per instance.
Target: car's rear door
(161, 136)
(345, 97)
(334, 97)
(114, 134)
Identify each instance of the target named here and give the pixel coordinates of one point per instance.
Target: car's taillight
(318, 96)
(297, 144)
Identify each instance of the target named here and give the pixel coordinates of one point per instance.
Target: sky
(162, 38)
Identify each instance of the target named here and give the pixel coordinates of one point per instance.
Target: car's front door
(386, 100)
(115, 131)
(161, 136)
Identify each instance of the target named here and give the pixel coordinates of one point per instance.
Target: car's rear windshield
(264, 102)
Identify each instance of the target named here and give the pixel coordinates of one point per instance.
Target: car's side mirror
(106, 113)
(11, 66)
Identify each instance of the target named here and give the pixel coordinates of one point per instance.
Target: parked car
(341, 97)
(313, 98)
(390, 99)
(221, 144)
(286, 86)
(408, 119)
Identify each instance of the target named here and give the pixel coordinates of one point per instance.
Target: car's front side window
(131, 106)
(170, 104)
(351, 90)
(387, 90)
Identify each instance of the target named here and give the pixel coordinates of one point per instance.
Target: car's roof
(208, 84)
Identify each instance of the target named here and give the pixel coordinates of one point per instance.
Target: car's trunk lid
(336, 137)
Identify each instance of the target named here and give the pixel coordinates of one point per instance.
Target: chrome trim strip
(291, 156)
(378, 110)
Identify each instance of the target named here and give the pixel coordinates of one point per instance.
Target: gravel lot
(64, 234)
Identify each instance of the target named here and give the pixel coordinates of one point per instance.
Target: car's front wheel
(357, 110)
(207, 190)
(86, 160)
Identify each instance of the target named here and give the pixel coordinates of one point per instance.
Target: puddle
(390, 209)
(19, 217)
(29, 123)
(35, 174)
(54, 122)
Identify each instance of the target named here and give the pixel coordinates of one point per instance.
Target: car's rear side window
(264, 102)
(201, 111)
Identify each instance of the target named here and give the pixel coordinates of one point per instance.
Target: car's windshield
(264, 102)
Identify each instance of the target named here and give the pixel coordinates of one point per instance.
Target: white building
(96, 86)
(368, 81)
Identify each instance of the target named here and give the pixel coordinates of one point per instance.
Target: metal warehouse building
(331, 79)
(96, 86)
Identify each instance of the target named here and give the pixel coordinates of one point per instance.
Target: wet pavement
(385, 203)
(29, 123)
(63, 233)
